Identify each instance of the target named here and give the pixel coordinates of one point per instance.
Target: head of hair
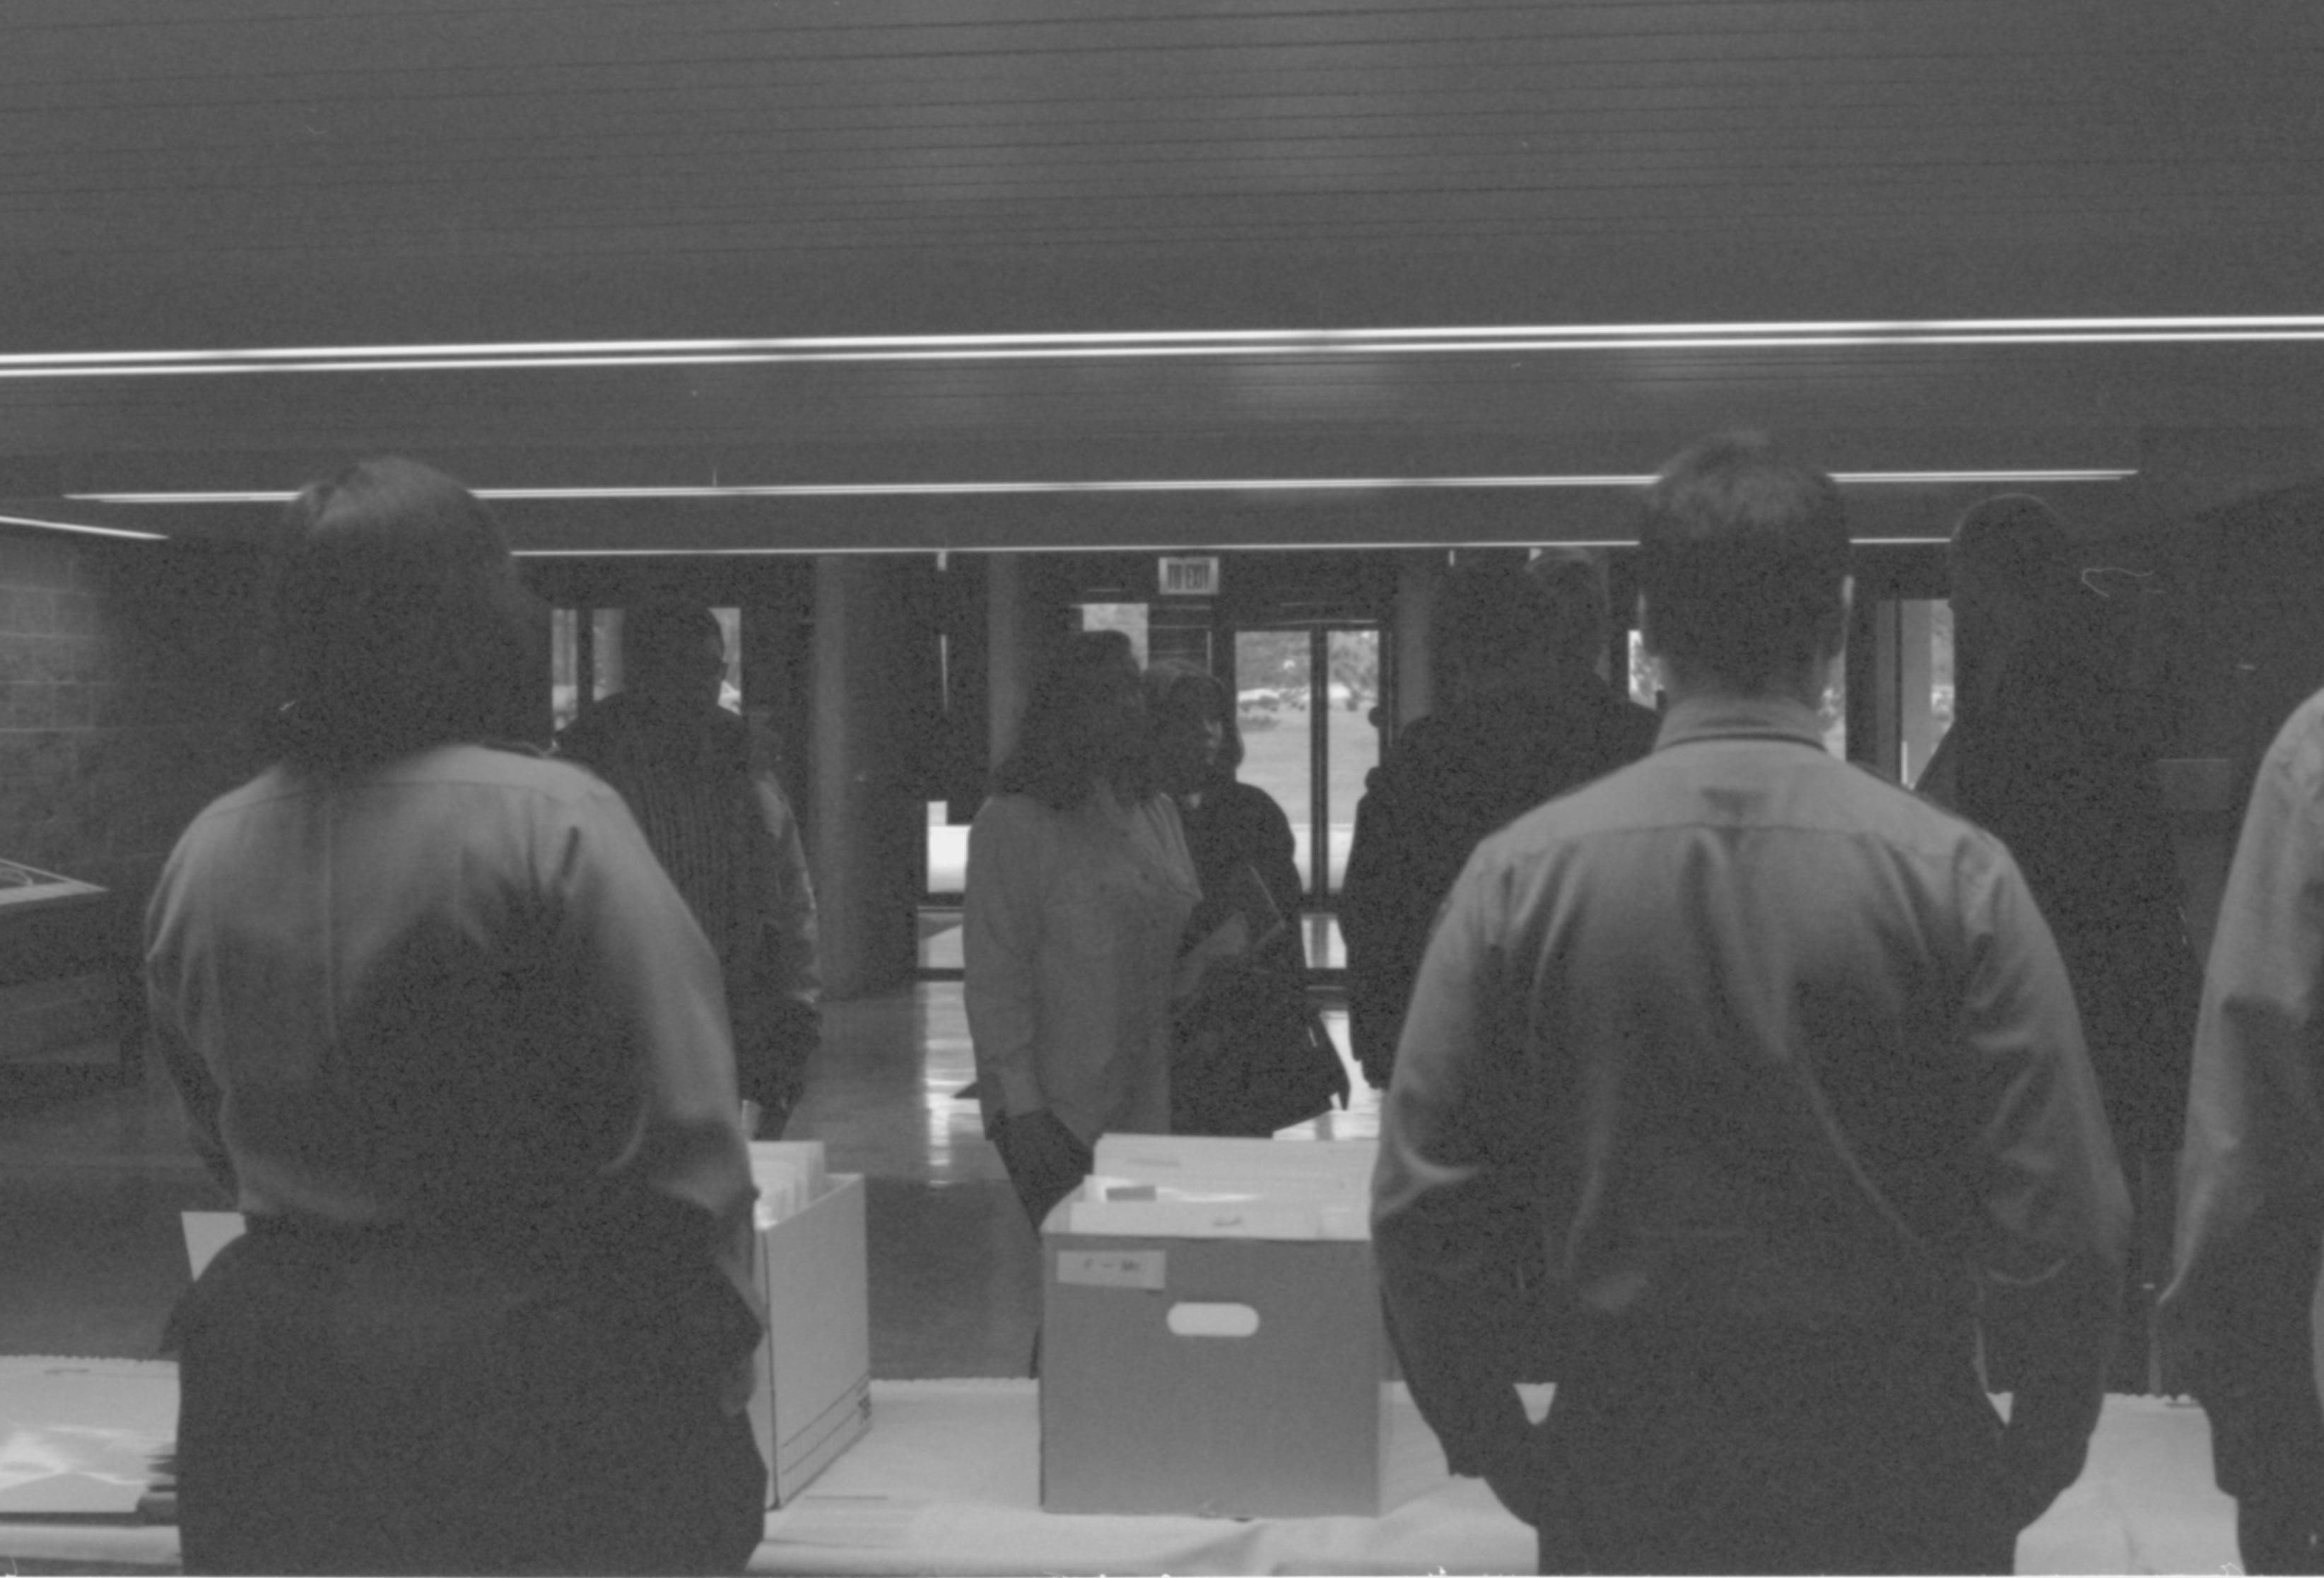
(1582, 618)
(1494, 625)
(1181, 695)
(1059, 758)
(1743, 563)
(665, 640)
(398, 619)
(2014, 544)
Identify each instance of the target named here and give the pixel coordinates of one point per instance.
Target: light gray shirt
(1070, 940)
(423, 988)
(2251, 1177)
(1738, 1038)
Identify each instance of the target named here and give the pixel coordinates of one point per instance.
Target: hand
(1037, 1144)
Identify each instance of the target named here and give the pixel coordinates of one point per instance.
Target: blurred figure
(2048, 755)
(704, 790)
(449, 1038)
(2049, 752)
(1521, 657)
(2250, 1181)
(1754, 1080)
(1079, 886)
(1251, 1056)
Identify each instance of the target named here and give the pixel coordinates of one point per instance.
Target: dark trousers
(354, 1405)
(1678, 1463)
(2280, 1529)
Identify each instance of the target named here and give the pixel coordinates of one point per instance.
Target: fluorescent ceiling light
(89, 530)
(1158, 485)
(1193, 343)
(1093, 546)
(1381, 546)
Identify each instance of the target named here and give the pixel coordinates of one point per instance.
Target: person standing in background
(1529, 714)
(2251, 1180)
(1079, 887)
(1757, 1083)
(2051, 754)
(701, 787)
(1251, 1056)
(449, 1038)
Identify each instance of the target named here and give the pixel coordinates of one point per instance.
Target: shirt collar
(1747, 717)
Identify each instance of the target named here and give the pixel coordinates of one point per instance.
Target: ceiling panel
(347, 173)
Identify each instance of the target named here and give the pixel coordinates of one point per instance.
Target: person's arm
(2055, 1215)
(1453, 1215)
(1375, 904)
(634, 947)
(199, 1092)
(1275, 856)
(794, 979)
(1001, 938)
(2251, 1178)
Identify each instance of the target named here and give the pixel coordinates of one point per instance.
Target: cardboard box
(811, 1399)
(1215, 1372)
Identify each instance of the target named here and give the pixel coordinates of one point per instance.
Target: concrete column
(1007, 649)
(1417, 575)
(867, 830)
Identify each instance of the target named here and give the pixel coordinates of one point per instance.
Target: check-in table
(947, 1482)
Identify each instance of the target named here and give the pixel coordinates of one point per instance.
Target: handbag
(1250, 1053)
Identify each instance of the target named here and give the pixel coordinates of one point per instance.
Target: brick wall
(129, 680)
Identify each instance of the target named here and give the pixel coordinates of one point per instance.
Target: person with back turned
(1521, 651)
(1758, 1082)
(450, 1039)
(720, 826)
(2251, 1179)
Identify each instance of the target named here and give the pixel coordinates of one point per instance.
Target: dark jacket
(1239, 825)
(1453, 777)
(1244, 1059)
(2059, 765)
(723, 832)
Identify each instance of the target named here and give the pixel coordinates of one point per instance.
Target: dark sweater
(1451, 780)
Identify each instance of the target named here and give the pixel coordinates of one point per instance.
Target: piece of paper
(81, 1437)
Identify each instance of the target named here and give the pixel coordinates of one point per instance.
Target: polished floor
(95, 1171)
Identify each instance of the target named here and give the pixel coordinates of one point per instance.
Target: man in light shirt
(1745, 1084)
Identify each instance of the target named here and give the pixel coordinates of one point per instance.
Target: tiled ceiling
(245, 173)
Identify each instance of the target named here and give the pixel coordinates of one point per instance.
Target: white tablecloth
(948, 1480)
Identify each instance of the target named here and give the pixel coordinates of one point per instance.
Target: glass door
(1307, 702)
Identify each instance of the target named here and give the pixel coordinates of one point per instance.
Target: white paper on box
(789, 1176)
(1247, 1217)
(1147, 1269)
(1336, 1169)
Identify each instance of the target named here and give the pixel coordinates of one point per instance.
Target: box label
(1141, 1268)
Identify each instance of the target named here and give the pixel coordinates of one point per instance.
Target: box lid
(1190, 1186)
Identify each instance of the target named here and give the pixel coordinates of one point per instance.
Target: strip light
(1156, 485)
(1214, 343)
(1383, 547)
(89, 531)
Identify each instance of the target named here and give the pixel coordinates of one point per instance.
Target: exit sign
(1190, 577)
